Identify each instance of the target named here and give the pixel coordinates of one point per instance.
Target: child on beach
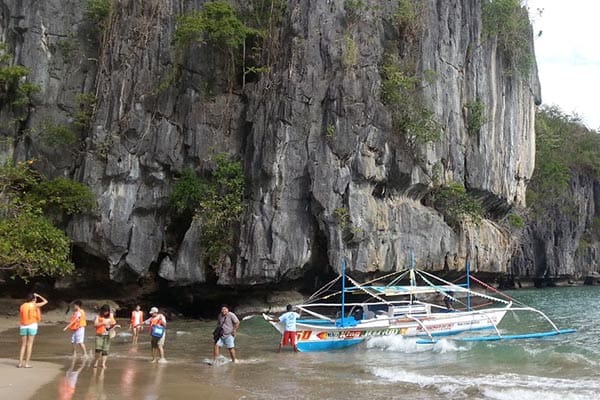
(77, 325)
(30, 315)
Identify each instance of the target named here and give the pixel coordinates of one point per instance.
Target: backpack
(157, 331)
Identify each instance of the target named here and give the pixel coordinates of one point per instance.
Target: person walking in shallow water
(29, 314)
(104, 322)
(289, 334)
(158, 325)
(137, 322)
(228, 323)
(77, 325)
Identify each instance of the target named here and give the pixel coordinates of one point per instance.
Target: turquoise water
(562, 367)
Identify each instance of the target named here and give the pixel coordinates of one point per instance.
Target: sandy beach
(22, 383)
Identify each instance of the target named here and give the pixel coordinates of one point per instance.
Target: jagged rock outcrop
(329, 175)
(564, 243)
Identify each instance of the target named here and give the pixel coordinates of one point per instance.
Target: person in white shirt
(289, 334)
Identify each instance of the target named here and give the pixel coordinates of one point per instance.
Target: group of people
(105, 325)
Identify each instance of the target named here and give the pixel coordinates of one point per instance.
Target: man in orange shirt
(30, 315)
(77, 325)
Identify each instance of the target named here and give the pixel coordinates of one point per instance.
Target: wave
(495, 387)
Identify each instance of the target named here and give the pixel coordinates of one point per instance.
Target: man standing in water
(289, 334)
(158, 325)
(77, 325)
(30, 315)
(229, 324)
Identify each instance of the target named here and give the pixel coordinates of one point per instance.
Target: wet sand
(130, 375)
(22, 383)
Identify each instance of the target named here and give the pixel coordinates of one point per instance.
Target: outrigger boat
(410, 310)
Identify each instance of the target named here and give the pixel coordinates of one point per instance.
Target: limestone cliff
(330, 176)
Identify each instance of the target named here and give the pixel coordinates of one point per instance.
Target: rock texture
(329, 177)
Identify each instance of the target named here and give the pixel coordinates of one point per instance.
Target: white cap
(153, 310)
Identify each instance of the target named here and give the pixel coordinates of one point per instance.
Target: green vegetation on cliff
(15, 91)
(217, 200)
(31, 206)
(564, 146)
(508, 22)
(456, 204)
(246, 37)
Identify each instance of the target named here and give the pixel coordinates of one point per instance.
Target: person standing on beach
(137, 322)
(158, 325)
(289, 334)
(30, 314)
(228, 323)
(77, 325)
(104, 322)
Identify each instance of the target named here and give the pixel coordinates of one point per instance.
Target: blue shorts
(28, 330)
(227, 341)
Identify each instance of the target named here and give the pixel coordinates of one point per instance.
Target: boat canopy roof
(409, 290)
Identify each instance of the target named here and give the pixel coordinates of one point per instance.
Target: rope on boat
(493, 289)
(462, 289)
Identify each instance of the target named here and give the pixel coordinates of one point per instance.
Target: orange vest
(137, 318)
(156, 320)
(101, 324)
(77, 320)
(82, 319)
(29, 313)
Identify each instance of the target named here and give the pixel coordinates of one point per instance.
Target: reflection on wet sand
(130, 375)
(68, 383)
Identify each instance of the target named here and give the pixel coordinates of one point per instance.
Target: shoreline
(23, 383)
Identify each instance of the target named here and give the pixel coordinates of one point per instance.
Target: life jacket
(137, 318)
(82, 319)
(156, 320)
(101, 324)
(29, 313)
(77, 320)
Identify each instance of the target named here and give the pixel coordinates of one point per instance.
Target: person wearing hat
(158, 325)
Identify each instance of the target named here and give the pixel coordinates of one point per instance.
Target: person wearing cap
(158, 325)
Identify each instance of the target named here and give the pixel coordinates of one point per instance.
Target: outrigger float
(409, 310)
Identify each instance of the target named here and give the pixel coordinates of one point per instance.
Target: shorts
(289, 337)
(155, 342)
(103, 344)
(28, 330)
(78, 335)
(227, 341)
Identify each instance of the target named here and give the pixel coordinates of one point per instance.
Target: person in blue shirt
(289, 334)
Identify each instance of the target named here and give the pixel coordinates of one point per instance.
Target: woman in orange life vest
(77, 326)
(30, 315)
(104, 322)
(137, 322)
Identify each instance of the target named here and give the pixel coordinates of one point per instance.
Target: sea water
(559, 367)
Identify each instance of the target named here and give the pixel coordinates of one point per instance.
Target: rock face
(329, 176)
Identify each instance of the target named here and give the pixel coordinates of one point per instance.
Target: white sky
(568, 55)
